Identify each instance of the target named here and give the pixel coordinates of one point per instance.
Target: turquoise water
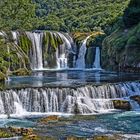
(82, 126)
(75, 125)
(67, 78)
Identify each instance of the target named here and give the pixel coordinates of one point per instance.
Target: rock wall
(121, 50)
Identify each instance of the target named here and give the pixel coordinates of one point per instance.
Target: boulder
(136, 98)
(122, 104)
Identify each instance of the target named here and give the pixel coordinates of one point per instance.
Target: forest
(67, 16)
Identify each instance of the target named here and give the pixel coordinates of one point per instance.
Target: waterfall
(62, 52)
(63, 56)
(88, 99)
(80, 63)
(36, 53)
(97, 59)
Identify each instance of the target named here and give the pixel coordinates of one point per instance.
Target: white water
(62, 62)
(80, 62)
(62, 52)
(36, 54)
(97, 59)
(66, 40)
(15, 37)
(83, 100)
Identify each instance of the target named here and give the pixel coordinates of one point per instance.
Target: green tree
(132, 13)
(17, 14)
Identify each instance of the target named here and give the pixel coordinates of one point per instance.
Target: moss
(24, 43)
(132, 40)
(5, 134)
(107, 137)
(75, 138)
(2, 76)
(31, 137)
(21, 72)
(51, 41)
(48, 119)
(119, 49)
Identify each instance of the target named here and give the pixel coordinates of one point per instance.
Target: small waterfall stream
(97, 59)
(80, 62)
(84, 100)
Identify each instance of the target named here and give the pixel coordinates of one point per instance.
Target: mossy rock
(136, 98)
(5, 134)
(21, 131)
(2, 76)
(48, 119)
(31, 137)
(102, 138)
(122, 104)
(75, 138)
(21, 72)
(108, 137)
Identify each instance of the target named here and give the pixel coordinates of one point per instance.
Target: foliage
(17, 14)
(79, 15)
(132, 13)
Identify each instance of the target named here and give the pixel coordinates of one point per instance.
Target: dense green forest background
(60, 15)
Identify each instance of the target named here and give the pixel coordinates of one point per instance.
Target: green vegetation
(17, 14)
(118, 19)
(132, 13)
(13, 57)
(122, 48)
(79, 15)
(60, 15)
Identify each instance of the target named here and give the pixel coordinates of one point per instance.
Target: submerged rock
(49, 119)
(122, 104)
(136, 98)
(75, 138)
(109, 137)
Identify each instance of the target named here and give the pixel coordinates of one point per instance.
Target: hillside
(122, 48)
(60, 15)
(79, 15)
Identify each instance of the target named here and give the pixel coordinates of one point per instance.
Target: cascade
(36, 54)
(97, 59)
(80, 62)
(64, 56)
(62, 52)
(84, 100)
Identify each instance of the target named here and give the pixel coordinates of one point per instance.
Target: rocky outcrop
(121, 50)
(122, 104)
(136, 98)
